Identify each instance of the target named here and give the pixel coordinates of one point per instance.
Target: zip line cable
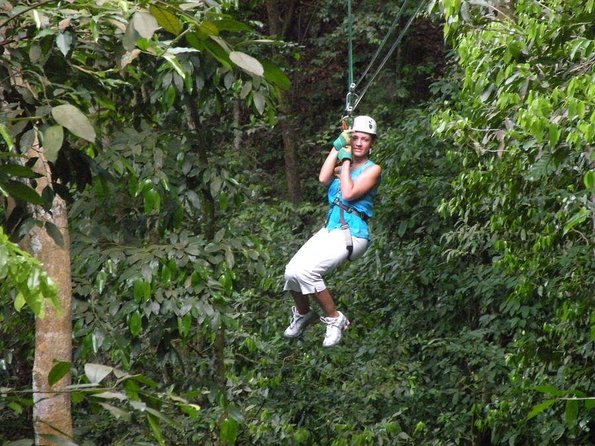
(351, 93)
(350, 52)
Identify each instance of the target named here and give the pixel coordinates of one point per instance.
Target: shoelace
(332, 321)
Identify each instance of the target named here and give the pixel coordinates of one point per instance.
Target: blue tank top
(365, 205)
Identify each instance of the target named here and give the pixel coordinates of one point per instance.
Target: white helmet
(364, 124)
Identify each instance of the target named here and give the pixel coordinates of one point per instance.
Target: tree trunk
(280, 16)
(53, 333)
(209, 226)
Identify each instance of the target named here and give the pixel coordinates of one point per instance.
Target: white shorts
(321, 254)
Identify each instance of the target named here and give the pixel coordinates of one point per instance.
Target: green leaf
(116, 412)
(215, 185)
(218, 52)
(59, 371)
(550, 390)
(74, 120)
(554, 134)
(15, 407)
(154, 423)
(19, 302)
(162, 417)
(64, 42)
(6, 136)
(22, 192)
(184, 324)
(229, 431)
(110, 396)
(259, 101)
(576, 219)
(55, 233)
(589, 180)
(230, 25)
(571, 412)
(135, 324)
(191, 409)
(18, 171)
(130, 37)
(23, 442)
(275, 75)
(536, 410)
(97, 372)
(166, 19)
(247, 63)
(209, 28)
(53, 137)
(175, 64)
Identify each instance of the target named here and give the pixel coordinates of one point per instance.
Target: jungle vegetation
(158, 168)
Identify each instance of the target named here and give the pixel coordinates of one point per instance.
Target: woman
(351, 189)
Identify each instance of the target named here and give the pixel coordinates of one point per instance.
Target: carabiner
(351, 95)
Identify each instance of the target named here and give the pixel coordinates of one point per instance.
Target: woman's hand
(343, 140)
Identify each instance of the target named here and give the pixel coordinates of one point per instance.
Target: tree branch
(7, 21)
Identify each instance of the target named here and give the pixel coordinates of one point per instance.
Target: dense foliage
(472, 312)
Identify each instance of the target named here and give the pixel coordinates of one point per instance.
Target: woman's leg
(302, 302)
(326, 302)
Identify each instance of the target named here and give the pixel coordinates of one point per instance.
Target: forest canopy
(159, 167)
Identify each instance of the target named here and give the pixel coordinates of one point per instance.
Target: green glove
(343, 140)
(345, 154)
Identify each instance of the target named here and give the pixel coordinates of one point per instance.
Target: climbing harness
(352, 98)
(345, 226)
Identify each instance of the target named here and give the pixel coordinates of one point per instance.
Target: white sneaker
(335, 326)
(299, 322)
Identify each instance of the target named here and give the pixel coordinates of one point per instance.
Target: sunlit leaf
(64, 42)
(116, 411)
(97, 372)
(145, 24)
(52, 142)
(74, 120)
(247, 63)
(259, 101)
(111, 396)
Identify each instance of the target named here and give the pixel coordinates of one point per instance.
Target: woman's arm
(368, 180)
(327, 171)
